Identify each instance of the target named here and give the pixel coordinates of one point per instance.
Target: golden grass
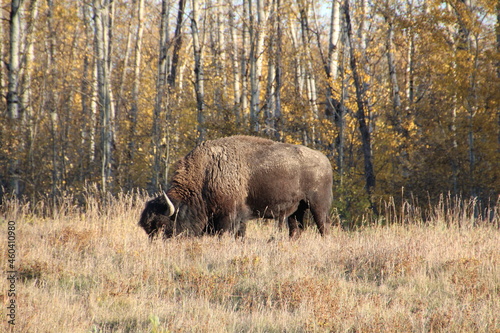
(94, 270)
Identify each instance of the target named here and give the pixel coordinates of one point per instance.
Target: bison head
(157, 215)
(172, 217)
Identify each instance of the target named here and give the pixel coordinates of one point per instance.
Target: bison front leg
(241, 231)
(296, 221)
(228, 223)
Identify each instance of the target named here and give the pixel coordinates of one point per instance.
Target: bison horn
(171, 208)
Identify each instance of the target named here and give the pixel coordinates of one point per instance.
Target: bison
(223, 183)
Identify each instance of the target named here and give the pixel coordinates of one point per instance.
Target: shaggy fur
(222, 183)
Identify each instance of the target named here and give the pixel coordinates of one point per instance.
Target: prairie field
(90, 268)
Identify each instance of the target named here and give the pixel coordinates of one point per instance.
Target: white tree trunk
(172, 75)
(409, 59)
(279, 73)
(299, 68)
(333, 42)
(312, 96)
(126, 59)
(361, 114)
(27, 95)
(138, 49)
(25, 70)
(198, 70)
(89, 87)
(103, 12)
(336, 108)
(220, 54)
(391, 63)
(245, 64)
(13, 101)
(161, 91)
(272, 109)
(235, 61)
(257, 34)
(137, 77)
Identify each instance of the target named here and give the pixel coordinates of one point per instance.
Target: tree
(134, 110)
(257, 30)
(172, 76)
(310, 79)
(199, 85)
(391, 65)
(333, 45)
(103, 18)
(13, 100)
(272, 108)
(335, 109)
(89, 93)
(161, 93)
(235, 61)
(361, 113)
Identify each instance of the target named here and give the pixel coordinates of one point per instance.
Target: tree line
(402, 96)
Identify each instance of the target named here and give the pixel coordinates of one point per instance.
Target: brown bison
(222, 183)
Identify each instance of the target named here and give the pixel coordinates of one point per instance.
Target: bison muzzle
(223, 183)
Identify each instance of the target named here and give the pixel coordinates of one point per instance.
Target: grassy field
(93, 269)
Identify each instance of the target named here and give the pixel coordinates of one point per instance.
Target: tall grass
(85, 266)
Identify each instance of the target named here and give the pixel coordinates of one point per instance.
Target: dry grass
(95, 271)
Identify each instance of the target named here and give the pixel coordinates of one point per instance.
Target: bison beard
(222, 183)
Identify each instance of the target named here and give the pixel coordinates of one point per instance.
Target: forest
(402, 96)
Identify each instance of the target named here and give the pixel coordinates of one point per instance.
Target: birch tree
(161, 93)
(245, 64)
(333, 43)
(27, 96)
(310, 79)
(410, 55)
(28, 59)
(361, 104)
(298, 61)
(335, 108)
(120, 102)
(257, 31)
(199, 85)
(235, 62)
(278, 76)
(391, 64)
(51, 100)
(172, 75)
(272, 106)
(13, 100)
(89, 88)
(397, 117)
(103, 11)
(219, 52)
(309, 75)
(137, 76)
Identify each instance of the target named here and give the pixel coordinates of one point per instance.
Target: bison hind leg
(296, 220)
(320, 215)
